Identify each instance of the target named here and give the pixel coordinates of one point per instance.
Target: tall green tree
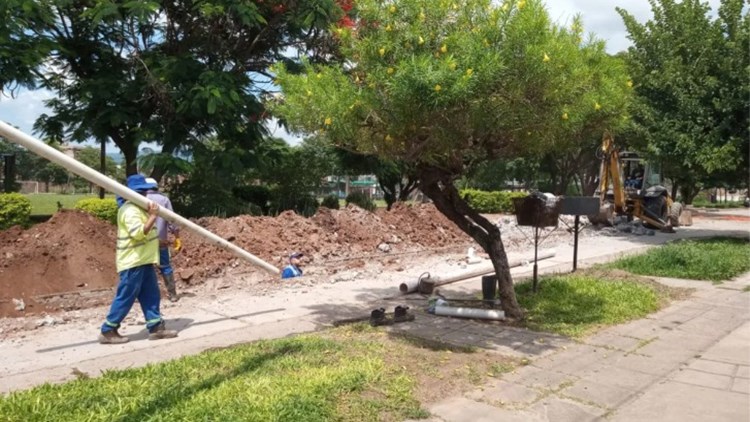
(166, 71)
(692, 84)
(91, 156)
(443, 85)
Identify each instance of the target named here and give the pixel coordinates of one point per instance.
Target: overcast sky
(599, 17)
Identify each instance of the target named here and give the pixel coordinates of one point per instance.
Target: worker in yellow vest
(137, 253)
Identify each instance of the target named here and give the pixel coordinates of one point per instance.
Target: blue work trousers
(135, 283)
(165, 266)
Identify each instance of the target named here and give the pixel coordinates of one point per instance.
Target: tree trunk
(129, 149)
(102, 164)
(437, 184)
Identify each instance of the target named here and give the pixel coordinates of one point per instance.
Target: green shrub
(330, 202)
(361, 200)
(260, 196)
(199, 196)
(15, 209)
(491, 202)
(104, 209)
(303, 204)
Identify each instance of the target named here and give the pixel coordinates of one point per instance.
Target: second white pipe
(40, 148)
(469, 313)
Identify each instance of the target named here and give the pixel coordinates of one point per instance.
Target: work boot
(401, 314)
(171, 287)
(112, 337)
(160, 331)
(377, 317)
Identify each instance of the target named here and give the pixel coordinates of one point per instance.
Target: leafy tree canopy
(166, 71)
(692, 84)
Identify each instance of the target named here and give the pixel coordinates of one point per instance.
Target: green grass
(304, 378)
(46, 203)
(714, 259)
(575, 305)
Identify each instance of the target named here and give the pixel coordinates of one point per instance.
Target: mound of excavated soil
(75, 252)
(328, 235)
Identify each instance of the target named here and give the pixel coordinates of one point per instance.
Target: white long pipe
(40, 148)
(413, 285)
(469, 312)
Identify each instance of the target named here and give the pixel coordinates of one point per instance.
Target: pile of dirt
(326, 236)
(73, 251)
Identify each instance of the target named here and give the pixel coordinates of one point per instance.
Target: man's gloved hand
(177, 245)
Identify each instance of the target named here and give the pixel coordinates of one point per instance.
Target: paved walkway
(688, 362)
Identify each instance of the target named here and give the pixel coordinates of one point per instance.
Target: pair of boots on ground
(400, 314)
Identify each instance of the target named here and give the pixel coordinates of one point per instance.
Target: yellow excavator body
(644, 198)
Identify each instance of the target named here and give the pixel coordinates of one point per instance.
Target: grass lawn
(713, 259)
(575, 305)
(350, 373)
(46, 203)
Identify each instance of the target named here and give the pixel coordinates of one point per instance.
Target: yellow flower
(444, 49)
(388, 138)
(452, 66)
(630, 84)
(505, 7)
(469, 71)
(546, 58)
(597, 106)
(381, 52)
(421, 40)
(422, 16)
(328, 121)
(438, 88)
(388, 28)
(390, 70)
(521, 4)
(318, 75)
(392, 9)
(309, 93)
(565, 116)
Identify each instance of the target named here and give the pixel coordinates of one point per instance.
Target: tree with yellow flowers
(443, 84)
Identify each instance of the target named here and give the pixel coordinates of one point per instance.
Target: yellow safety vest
(134, 248)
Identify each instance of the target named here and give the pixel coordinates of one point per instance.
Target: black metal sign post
(578, 206)
(575, 242)
(535, 212)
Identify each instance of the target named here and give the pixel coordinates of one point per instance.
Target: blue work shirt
(291, 271)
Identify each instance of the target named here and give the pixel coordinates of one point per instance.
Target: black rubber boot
(171, 287)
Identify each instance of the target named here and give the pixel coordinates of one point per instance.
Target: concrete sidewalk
(688, 362)
(57, 354)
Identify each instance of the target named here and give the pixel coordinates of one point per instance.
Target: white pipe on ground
(40, 148)
(469, 313)
(413, 285)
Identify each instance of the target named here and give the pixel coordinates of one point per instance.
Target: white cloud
(24, 109)
(601, 18)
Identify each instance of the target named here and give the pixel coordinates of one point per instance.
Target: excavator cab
(633, 187)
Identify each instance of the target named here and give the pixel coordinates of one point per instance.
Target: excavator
(632, 187)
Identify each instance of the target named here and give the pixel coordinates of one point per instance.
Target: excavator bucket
(605, 217)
